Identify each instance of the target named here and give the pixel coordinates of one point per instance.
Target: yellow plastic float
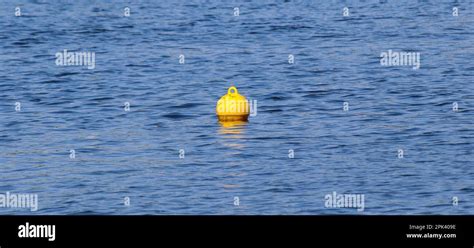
(232, 107)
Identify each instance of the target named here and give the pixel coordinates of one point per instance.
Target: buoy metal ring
(232, 90)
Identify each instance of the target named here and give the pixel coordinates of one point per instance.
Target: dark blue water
(135, 153)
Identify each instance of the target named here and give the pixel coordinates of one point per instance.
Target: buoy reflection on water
(232, 127)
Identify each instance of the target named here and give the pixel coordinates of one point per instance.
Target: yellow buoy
(232, 106)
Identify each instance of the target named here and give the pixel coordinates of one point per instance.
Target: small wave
(176, 116)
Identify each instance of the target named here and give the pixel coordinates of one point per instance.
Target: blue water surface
(136, 153)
